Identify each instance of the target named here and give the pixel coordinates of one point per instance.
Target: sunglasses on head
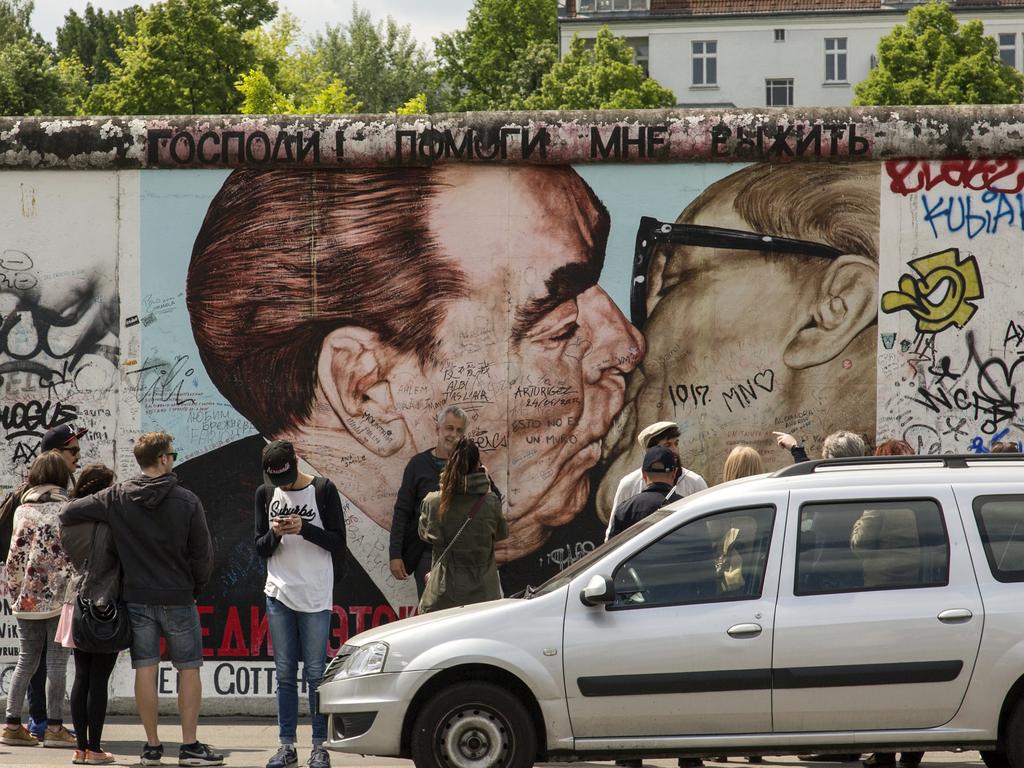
(651, 232)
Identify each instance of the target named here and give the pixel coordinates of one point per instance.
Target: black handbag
(100, 628)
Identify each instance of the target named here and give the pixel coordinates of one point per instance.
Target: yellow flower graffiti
(943, 293)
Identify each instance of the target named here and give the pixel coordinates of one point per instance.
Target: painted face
(449, 431)
(719, 322)
(535, 352)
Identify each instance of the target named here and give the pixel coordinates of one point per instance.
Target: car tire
(995, 758)
(1013, 737)
(474, 725)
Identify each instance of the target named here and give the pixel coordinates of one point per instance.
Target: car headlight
(366, 660)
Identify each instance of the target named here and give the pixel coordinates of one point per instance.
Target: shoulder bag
(472, 513)
(99, 628)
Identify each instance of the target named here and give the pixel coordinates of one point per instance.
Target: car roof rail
(949, 460)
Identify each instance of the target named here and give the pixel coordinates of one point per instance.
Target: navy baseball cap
(58, 437)
(660, 459)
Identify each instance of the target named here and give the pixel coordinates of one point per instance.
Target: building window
(603, 6)
(779, 92)
(1008, 49)
(835, 59)
(780, 35)
(705, 62)
(641, 52)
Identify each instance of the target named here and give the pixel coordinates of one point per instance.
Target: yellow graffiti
(943, 293)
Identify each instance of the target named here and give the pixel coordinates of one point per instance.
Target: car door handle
(744, 630)
(955, 616)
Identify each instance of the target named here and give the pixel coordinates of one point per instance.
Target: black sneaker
(319, 758)
(198, 754)
(152, 755)
(285, 757)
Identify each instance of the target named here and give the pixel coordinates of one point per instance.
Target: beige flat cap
(654, 429)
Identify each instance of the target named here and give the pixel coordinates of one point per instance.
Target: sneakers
(319, 758)
(198, 754)
(79, 757)
(17, 736)
(97, 758)
(152, 755)
(37, 727)
(60, 738)
(285, 757)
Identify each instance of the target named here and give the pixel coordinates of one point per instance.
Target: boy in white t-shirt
(300, 530)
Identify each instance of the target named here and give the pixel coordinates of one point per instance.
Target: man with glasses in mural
(344, 318)
(758, 306)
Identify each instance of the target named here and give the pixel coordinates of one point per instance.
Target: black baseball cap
(660, 459)
(280, 466)
(60, 436)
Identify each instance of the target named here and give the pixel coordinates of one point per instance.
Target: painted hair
(742, 461)
(465, 460)
(1005, 447)
(92, 479)
(49, 469)
(894, 448)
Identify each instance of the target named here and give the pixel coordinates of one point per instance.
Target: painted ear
(844, 306)
(352, 371)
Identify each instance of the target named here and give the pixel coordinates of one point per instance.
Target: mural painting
(563, 307)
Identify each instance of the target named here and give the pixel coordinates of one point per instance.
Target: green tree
(184, 58)
(933, 59)
(94, 37)
(261, 97)
(380, 62)
(602, 76)
(31, 83)
(498, 60)
(417, 105)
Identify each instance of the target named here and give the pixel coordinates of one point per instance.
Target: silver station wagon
(848, 605)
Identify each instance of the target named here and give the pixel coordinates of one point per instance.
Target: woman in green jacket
(461, 522)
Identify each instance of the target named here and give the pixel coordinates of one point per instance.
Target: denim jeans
(294, 633)
(34, 635)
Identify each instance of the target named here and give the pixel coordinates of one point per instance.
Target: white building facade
(748, 53)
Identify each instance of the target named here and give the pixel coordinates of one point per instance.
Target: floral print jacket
(37, 568)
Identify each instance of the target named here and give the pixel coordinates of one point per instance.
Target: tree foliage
(380, 62)
(261, 97)
(498, 60)
(31, 81)
(933, 59)
(184, 58)
(601, 76)
(94, 37)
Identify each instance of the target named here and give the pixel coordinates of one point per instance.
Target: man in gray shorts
(165, 550)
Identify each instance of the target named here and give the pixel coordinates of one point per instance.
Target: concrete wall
(174, 284)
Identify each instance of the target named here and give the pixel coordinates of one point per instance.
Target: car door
(879, 616)
(685, 648)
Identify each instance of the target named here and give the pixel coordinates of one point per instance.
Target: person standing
(409, 554)
(665, 434)
(462, 521)
(90, 547)
(659, 471)
(300, 532)
(63, 438)
(38, 572)
(164, 546)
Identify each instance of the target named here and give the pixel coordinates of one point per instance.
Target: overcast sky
(427, 17)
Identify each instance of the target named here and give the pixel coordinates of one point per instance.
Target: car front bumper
(365, 714)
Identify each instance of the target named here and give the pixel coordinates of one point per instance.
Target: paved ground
(251, 742)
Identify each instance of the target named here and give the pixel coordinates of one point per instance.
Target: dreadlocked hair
(94, 478)
(464, 461)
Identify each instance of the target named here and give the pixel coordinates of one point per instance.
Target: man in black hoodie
(164, 546)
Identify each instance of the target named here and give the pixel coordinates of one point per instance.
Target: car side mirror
(600, 589)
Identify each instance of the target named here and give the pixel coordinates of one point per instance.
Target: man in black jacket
(660, 468)
(164, 546)
(410, 555)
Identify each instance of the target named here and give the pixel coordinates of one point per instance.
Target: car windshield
(561, 579)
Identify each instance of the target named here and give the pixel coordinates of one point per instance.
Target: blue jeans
(292, 633)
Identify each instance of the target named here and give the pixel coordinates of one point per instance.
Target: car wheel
(474, 725)
(1013, 737)
(994, 758)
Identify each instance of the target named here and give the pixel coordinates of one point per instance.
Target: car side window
(1001, 525)
(718, 557)
(866, 545)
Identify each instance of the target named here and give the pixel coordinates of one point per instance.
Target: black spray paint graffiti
(741, 395)
(162, 382)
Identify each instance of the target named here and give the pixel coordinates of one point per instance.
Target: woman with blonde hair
(742, 461)
(461, 522)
